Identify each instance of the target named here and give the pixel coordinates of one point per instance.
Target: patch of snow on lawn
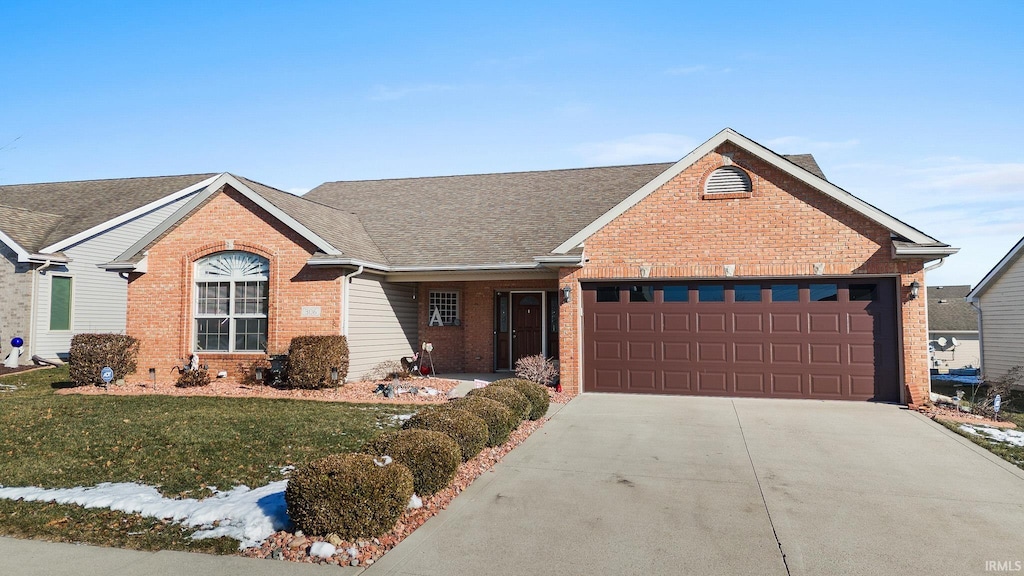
(1013, 437)
(247, 515)
(402, 417)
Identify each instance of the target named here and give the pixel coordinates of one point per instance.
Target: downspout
(934, 266)
(34, 302)
(345, 300)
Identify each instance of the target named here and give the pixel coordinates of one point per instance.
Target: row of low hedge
(311, 360)
(361, 496)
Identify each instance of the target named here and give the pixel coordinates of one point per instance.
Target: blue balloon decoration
(17, 342)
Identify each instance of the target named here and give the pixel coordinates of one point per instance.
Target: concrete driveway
(659, 485)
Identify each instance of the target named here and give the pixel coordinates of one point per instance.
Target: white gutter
(934, 266)
(438, 268)
(345, 300)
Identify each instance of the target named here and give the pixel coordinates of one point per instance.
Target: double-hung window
(231, 302)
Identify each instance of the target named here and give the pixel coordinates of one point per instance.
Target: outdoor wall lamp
(334, 374)
(915, 288)
(566, 294)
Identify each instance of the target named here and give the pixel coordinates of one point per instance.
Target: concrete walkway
(645, 485)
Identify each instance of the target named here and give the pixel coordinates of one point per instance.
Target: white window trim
(457, 321)
(234, 278)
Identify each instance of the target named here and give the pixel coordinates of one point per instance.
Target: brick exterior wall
(161, 301)
(782, 229)
(468, 347)
(15, 303)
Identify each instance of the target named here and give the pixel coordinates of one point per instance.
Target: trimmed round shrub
(468, 430)
(535, 393)
(312, 358)
(90, 353)
(508, 396)
(500, 420)
(193, 378)
(432, 457)
(349, 495)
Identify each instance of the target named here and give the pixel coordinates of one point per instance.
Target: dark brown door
(526, 325)
(821, 338)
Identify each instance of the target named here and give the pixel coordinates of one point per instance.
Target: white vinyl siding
(1002, 322)
(967, 351)
(382, 323)
(100, 297)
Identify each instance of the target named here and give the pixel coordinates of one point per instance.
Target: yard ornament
(12, 358)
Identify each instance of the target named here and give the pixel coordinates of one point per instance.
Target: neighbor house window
(60, 303)
(444, 306)
(231, 302)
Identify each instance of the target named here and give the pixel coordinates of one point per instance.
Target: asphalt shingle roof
(54, 211)
(948, 310)
(486, 218)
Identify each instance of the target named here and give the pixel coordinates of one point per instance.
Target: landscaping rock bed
(360, 392)
(942, 413)
(298, 547)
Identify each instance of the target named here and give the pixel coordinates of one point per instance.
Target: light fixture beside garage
(566, 294)
(915, 288)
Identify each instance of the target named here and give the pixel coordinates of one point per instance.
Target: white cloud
(390, 93)
(638, 148)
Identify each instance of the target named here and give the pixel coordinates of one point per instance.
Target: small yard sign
(997, 402)
(107, 374)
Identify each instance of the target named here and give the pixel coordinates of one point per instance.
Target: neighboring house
(735, 271)
(1000, 299)
(53, 238)
(952, 328)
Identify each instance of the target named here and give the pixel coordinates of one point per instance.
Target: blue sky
(913, 106)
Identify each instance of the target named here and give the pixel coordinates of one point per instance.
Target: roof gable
(948, 310)
(997, 271)
(789, 166)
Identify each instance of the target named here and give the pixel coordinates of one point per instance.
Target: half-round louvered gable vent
(727, 180)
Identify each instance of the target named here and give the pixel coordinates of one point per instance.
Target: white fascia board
(23, 255)
(729, 135)
(227, 178)
(436, 268)
(128, 216)
(916, 251)
(996, 272)
(343, 261)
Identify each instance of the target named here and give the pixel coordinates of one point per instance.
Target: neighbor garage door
(826, 338)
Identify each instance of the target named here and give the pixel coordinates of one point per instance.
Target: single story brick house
(1000, 299)
(54, 236)
(735, 271)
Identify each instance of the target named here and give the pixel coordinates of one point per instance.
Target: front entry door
(526, 325)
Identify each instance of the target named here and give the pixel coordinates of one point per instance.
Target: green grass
(181, 445)
(1014, 413)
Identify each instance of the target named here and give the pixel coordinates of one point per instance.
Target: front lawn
(1013, 413)
(182, 445)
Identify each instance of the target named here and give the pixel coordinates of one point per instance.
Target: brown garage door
(821, 338)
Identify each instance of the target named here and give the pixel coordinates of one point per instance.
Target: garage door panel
(677, 382)
(607, 322)
(608, 351)
(640, 322)
(796, 347)
(787, 384)
(642, 381)
(823, 323)
(711, 351)
(712, 382)
(825, 354)
(749, 352)
(640, 351)
(675, 351)
(673, 322)
(748, 323)
(711, 322)
(750, 384)
(786, 353)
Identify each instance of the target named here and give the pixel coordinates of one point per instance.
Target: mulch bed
(357, 392)
(943, 413)
(290, 546)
